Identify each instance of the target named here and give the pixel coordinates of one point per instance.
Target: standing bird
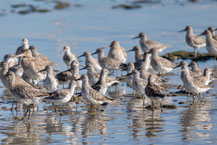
(92, 96)
(32, 66)
(24, 46)
(212, 30)
(138, 53)
(194, 86)
(64, 76)
(195, 68)
(11, 60)
(40, 56)
(211, 44)
(107, 62)
(68, 56)
(160, 64)
(153, 91)
(193, 40)
(23, 92)
(62, 96)
(117, 52)
(91, 60)
(146, 44)
(50, 82)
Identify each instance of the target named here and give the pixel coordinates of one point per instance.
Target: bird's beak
(94, 53)
(78, 79)
(215, 29)
(106, 47)
(41, 70)
(183, 30)
(83, 68)
(177, 66)
(147, 52)
(81, 56)
(135, 37)
(130, 50)
(20, 55)
(202, 34)
(128, 74)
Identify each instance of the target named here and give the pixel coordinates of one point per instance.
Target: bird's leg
(54, 108)
(12, 106)
(198, 52)
(195, 54)
(161, 106)
(152, 105)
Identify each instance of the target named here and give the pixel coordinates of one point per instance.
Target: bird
(64, 76)
(146, 44)
(40, 56)
(129, 78)
(32, 66)
(195, 68)
(153, 91)
(160, 64)
(11, 60)
(50, 82)
(193, 40)
(92, 96)
(24, 46)
(68, 56)
(101, 84)
(211, 44)
(62, 96)
(24, 93)
(212, 30)
(117, 52)
(138, 53)
(91, 60)
(138, 83)
(194, 86)
(92, 74)
(107, 62)
(206, 78)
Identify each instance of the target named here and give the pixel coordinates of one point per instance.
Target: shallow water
(95, 24)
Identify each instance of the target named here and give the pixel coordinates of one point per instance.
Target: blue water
(95, 24)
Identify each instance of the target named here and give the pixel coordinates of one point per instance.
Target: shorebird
(194, 86)
(129, 78)
(64, 76)
(212, 30)
(4, 69)
(160, 64)
(138, 53)
(195, 68)
(211, 44)
(107, 62)
(117, 52)
(92, 74)
(24, 46)
(76, 75)
(32, 66)
(144, 74)
(23, 92)
(193, 40)
(138, 83)
(92, 96)
(50, 82)
(153, 91)
(101, 85)
(206, 77)
(62, 96)
(11, 60)
(40, 56)
(91, 60)
(146, 44)
(68, 56)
